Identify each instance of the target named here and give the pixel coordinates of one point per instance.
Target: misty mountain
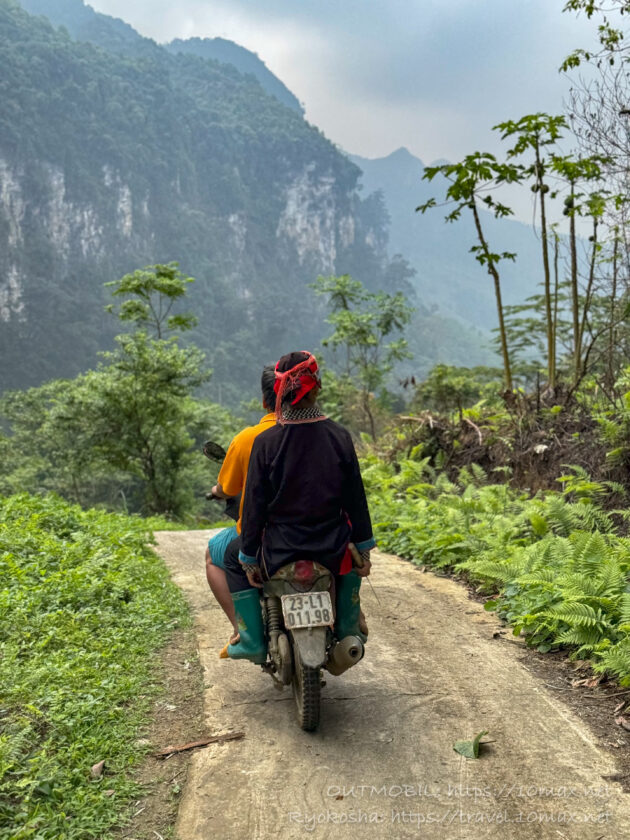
(83, 23)
(447, 274)
(245, 61)
(113, 157)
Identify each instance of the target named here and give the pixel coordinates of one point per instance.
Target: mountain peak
(400, 160)
(402, 153)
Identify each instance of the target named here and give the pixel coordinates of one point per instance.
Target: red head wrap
(301, 378)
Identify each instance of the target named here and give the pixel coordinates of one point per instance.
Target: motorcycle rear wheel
(306, 685)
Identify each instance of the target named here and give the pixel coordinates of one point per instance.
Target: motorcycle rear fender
(281, 583)
(311, 642)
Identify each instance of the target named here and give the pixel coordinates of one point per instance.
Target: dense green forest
(120, 153)
(117, 163)
(83, 23)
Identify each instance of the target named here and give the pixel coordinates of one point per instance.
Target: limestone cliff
(110, 162)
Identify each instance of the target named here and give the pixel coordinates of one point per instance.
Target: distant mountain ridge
(245, 61)
(83, 23)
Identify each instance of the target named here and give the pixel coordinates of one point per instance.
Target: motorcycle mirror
(213, 451)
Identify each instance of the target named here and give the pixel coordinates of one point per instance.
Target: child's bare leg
(218, 584)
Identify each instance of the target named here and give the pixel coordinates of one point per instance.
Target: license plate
(312, 609)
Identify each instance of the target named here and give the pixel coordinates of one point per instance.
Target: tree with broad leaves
(128, 427)
(612, 39)
(151, 294)
(533, 133)
(362, 322)
(470, 183)
(575, 171)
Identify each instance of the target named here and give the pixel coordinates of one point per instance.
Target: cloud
(432, 75)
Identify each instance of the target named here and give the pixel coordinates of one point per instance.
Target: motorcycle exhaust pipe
(344, 655)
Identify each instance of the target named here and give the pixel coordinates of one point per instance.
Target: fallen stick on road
(213, 739)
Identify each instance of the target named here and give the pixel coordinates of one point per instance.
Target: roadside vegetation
(84, 607)
(555, 562)
(127, 435)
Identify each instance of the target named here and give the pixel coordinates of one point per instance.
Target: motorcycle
(303, 631)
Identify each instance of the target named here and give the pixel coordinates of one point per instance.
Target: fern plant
(555, 561)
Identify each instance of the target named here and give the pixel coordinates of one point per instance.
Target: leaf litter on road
(470, 749)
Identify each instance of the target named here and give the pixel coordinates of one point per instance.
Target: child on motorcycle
(231, 483)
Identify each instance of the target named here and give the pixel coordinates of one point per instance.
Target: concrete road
(382, 763)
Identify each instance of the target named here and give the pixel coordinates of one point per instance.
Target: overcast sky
(374, 75)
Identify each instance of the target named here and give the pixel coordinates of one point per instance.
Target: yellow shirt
(233, 474)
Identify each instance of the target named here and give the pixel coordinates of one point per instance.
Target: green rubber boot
(252, 643)
(348, 607)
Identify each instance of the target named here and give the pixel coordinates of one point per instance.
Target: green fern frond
(479, 474)
(541, 577)
(616, 488)
(616, 660)
(624, 609)
(593, 518)
(585, 651)
(444, 485)
(575, 613)
(491, 570)
(611, 578)
(583, 636)
(560, 516)
(578, 586)
(578, 472)
(412, 472)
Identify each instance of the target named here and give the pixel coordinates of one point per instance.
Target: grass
(85, 606)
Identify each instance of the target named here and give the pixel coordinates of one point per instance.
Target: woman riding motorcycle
(304, 500)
